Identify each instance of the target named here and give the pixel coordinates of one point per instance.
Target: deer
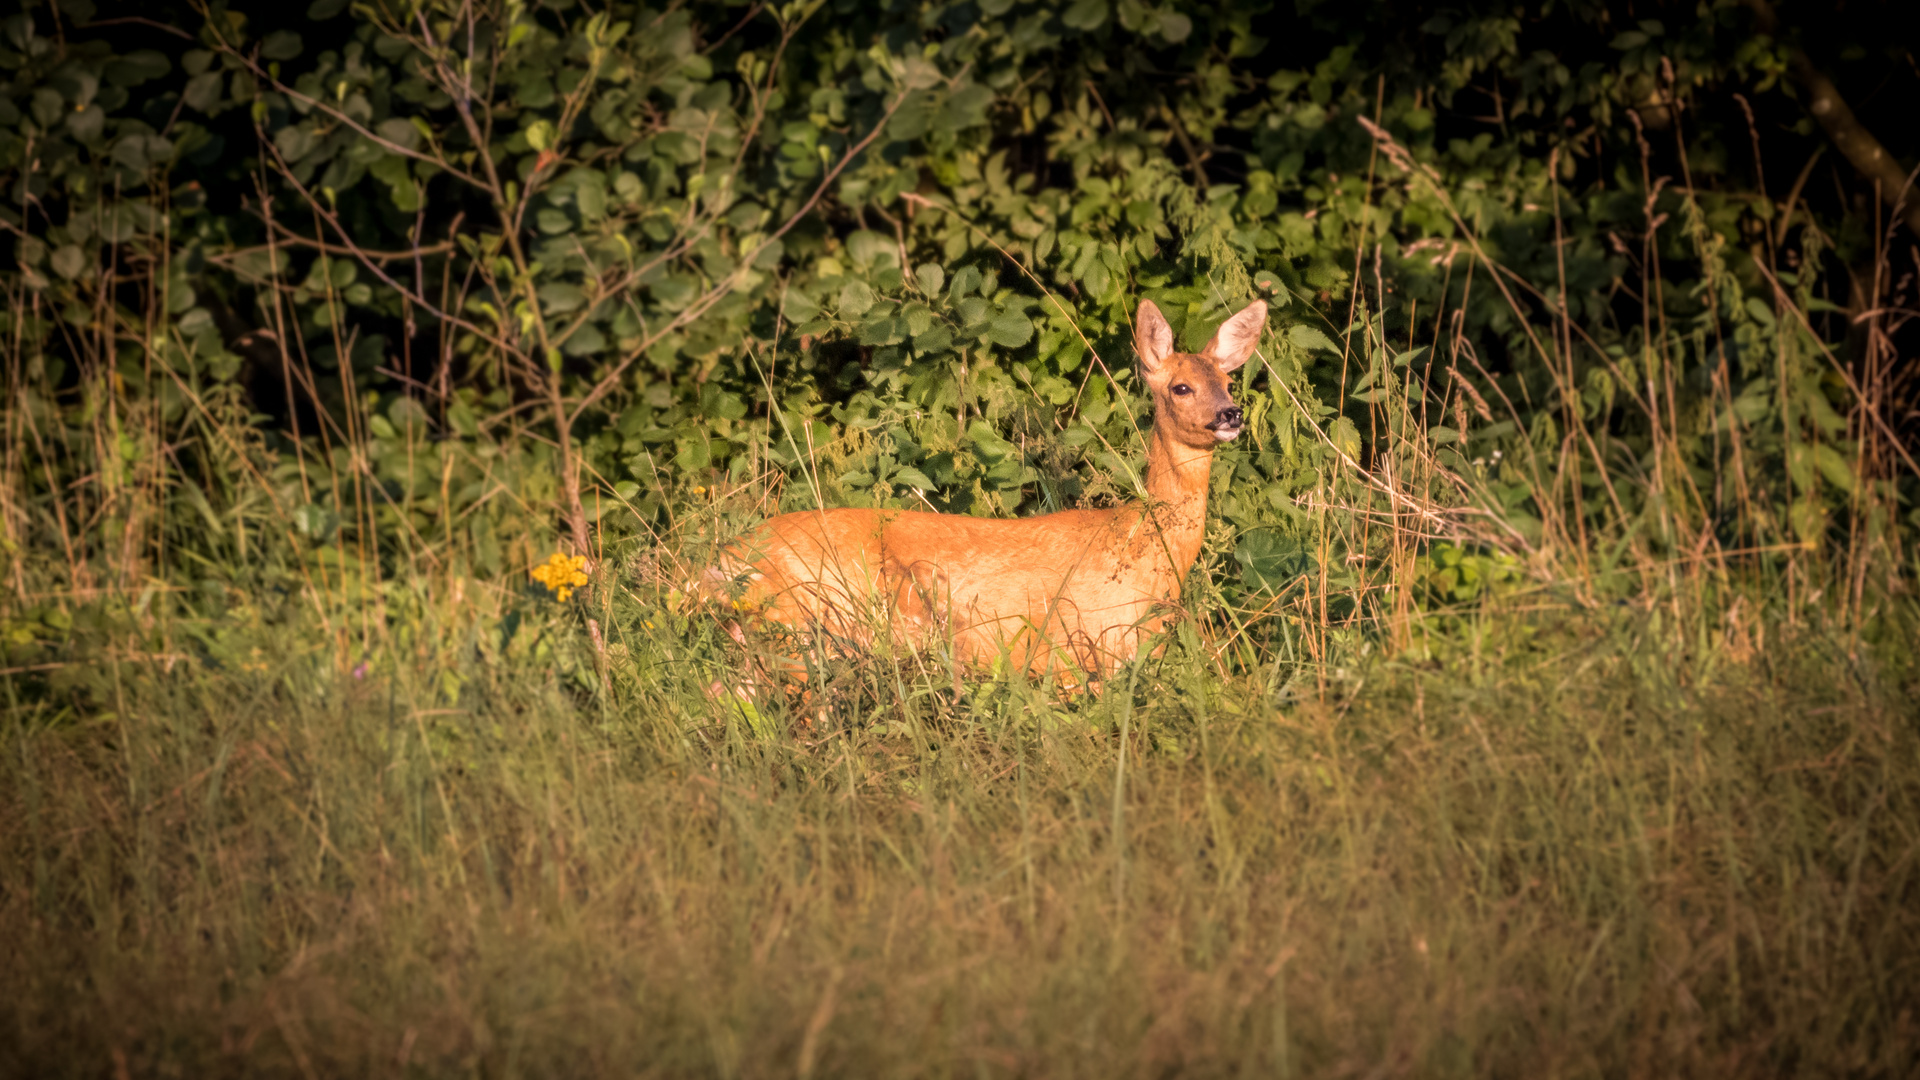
(1071, 594)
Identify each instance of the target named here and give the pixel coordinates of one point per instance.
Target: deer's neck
(1176, 511)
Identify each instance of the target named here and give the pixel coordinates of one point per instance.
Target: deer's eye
(1182, 389)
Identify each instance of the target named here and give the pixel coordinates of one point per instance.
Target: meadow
(1566, 843)
(1544, 702)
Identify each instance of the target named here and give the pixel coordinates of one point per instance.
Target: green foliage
(890, 256)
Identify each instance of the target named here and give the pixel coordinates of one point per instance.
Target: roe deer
(1075, 590)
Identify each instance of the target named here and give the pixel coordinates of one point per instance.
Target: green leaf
(856, 299)
(405, 193)
(560, 297)
(1010, 330)
(987, 443)
(69, 261)
(137, 67)
(1270, 560)
(316, 522)
(585, 341)
(1809, 520)
(460, 415)
(590, 198)
(142, 151)
(1096, 279)
(1833, 465)
(913, 477)
(939, 339)
(890, 330)
(1345, 438)
(203, 93)
(930, 277)
(967, 108)
(1085, 14)
(294, 143)
(407, 414)
(280, 45)
(1308, 338)
(88, 124)
(399, 132)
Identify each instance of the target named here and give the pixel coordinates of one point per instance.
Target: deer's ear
(1152, 337)
(1233, 343)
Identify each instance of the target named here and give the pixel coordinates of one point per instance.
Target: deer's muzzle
(1228, 423)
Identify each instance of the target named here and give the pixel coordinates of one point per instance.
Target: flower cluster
(562, 575)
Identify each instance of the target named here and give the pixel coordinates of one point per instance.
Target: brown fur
(1076, 590)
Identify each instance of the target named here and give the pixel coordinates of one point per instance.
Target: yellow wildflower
(562, 575)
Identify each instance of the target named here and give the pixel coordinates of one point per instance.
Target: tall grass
(1567, 849)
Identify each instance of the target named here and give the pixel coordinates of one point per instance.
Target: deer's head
(1190, 398)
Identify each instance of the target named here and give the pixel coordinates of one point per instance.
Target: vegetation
(1542, 703)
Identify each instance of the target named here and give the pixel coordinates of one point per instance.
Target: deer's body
(1074, 590)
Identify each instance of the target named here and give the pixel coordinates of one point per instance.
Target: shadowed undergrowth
(1592, 857)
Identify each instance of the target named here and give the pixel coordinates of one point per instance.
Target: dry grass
(1598, 854)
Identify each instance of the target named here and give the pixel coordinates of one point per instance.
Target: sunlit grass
(1597, 854)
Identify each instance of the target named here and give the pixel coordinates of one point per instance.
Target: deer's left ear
(1233, 343)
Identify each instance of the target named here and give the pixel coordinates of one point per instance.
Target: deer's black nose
(1230, 417)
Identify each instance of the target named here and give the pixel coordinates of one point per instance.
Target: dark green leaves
(140, 151)
(280, 45)
(203, 91)
(294, 143)
(1085, 14)
(586, 341)
(890, 330)
(969, 280)
(69, 261)
(1270, 560)
(137, 67)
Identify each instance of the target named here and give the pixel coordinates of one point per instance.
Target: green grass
(1570, 845)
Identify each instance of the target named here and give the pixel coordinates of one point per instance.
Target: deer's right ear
(1152, 337)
